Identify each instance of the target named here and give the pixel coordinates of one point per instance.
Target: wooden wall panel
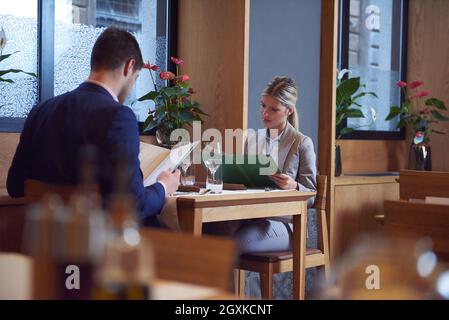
(428, 61)
(355, 208)
(213, 41)
(373, 155)
(8, 145)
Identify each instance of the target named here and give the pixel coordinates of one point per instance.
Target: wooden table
(16, 282)
(173, 290)
(194, 210)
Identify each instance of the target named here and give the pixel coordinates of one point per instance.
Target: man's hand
(170, 180)
(283, 181)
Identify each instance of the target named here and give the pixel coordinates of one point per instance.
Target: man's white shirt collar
(98, 83)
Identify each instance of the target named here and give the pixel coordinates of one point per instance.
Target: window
(18, 18)
(372, 46)
(68, 30)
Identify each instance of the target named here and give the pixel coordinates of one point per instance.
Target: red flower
(177, 61)
(183, 78)
(166, 75)
(401, 84)
(419, 134)
(421, 94)
(150, 66)
(192, 91)
(416, 84)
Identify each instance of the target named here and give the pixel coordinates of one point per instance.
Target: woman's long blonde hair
(284, 90)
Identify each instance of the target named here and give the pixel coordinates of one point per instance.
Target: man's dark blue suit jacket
(56, 130)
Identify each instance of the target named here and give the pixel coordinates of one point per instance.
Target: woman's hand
(283, 181)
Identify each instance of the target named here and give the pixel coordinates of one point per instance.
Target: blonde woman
(295, 157)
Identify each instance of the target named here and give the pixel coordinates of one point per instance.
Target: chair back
(320, 198)
(323, 220)
(419, 184)
(413, 220)
(36, 190)
(207, 261)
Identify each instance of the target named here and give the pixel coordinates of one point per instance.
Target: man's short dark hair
(113, 48)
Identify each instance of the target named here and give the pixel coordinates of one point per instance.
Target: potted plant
(3, 41)
(419, 116)
(349, 93)
(174, 106)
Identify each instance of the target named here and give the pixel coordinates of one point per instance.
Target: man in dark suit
(93, 114)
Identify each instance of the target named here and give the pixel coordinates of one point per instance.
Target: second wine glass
(212, 157)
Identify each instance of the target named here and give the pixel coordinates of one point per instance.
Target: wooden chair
(206, 261)
(411, 220)
(12, 221)
(13, 211)
(36, 190)
(269, 263)
(418, 185)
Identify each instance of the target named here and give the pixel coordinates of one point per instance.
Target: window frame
(343, 57)
(46, 54)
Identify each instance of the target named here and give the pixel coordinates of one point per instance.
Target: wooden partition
(428, 61)
(213, 39)
(328, 67)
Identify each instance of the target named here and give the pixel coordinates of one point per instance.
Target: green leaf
(439, 116)
(394, 111)
(354, 113)
(149, 96)
(345, 131)
(346, 89)
(149, 124)
(171, 91)
(186, 116)
(6, 56)
(184, 85)
(436, 103)
(198, 110)
(3, 72)
(401, 124)
(6, 80)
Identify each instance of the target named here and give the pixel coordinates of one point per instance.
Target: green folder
(251, 170)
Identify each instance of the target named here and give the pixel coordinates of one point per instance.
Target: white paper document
(155, 160)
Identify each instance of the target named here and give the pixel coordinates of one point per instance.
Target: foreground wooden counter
(357, 200)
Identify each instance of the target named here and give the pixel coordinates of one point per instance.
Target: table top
(252, 196)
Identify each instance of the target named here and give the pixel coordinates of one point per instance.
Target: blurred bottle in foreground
(127, 271)
(378, 268)
(80, 234)
(67, 239)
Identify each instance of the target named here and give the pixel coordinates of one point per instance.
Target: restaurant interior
(368, 217)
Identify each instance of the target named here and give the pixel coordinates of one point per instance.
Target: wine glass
(212, 157)
(187, 173)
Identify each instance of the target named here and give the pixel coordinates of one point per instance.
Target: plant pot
(163, 138)
(420, 157)
(151, 132)
(337, 160)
